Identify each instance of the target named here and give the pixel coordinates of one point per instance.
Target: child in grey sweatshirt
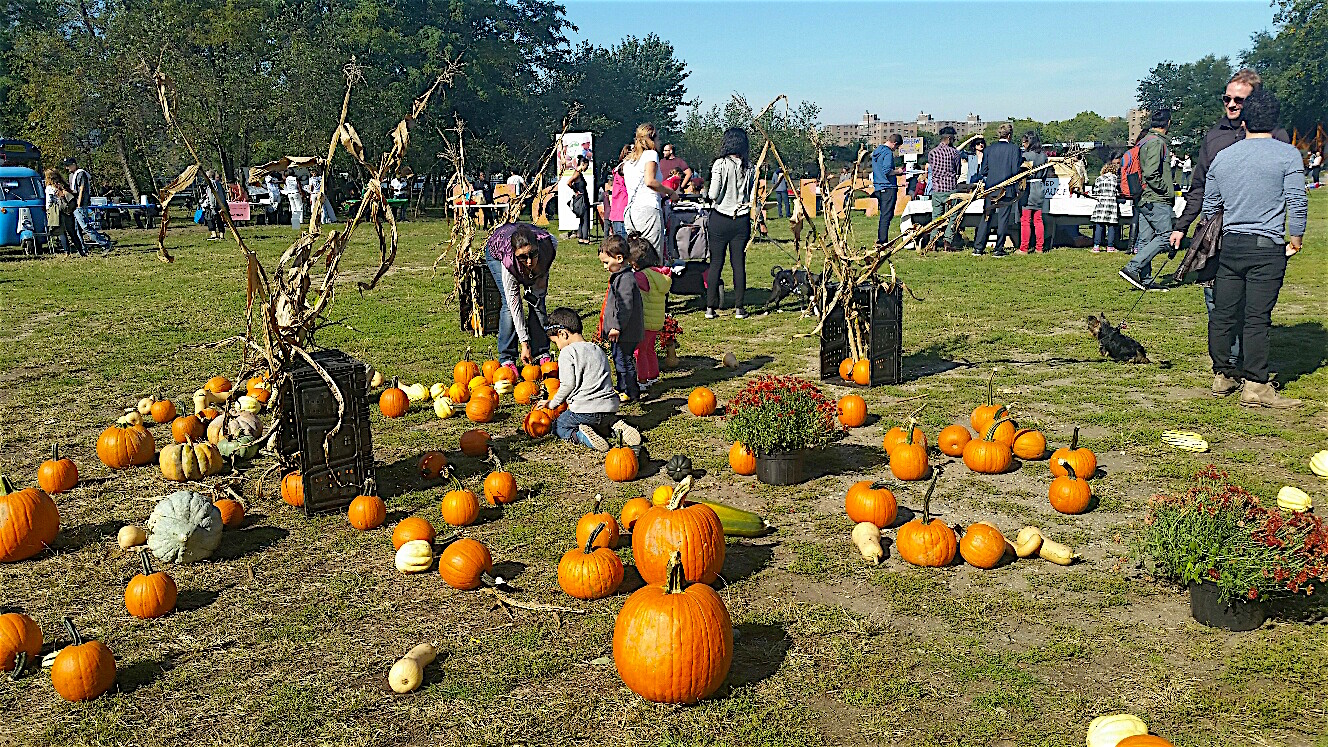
(585, 387)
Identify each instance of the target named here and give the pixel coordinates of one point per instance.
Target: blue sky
(1045, 60)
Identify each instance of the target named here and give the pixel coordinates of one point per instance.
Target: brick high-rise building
(874, 131)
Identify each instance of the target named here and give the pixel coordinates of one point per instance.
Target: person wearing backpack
(1146, 179)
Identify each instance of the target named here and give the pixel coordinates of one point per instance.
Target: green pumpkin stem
(1069, 468)
(20, 662)
(926, 500)
(991, 431)
(908, 432)
(147, 562)
(990, 392)
(677, 576)
(680, 493)
(590, 542)
(6, 487)
(73, 631)
(55, 452)
(1074, 440)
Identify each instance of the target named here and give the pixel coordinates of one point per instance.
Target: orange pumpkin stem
(590, 541)
(1069, 468)
(677, 576)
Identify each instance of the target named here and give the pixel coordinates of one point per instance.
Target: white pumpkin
(415, 556)
(130, 536)
(416, 393)
(184, 527)
(444, 408)
(503, 386)
(437, 390)
(1108, 731)
(248, 404)
(145, 406)
(1293, 499)
(1319, 463)
(131, 417)
(376, 379)
(205, 398)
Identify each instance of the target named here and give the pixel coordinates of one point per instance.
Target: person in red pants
(1035, 200)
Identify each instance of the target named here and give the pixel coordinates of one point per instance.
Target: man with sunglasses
(1228, 131)
(519, 256)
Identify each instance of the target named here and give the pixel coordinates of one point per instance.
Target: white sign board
(570, 146)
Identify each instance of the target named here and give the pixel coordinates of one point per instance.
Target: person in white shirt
(645, 214)
(295, 196)
(517, 183)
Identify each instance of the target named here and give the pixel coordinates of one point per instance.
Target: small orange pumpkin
(538, 423)
(480, 409)
(188, 428)
(1029, 444)
(232, 512)
(846, 369)
(150, 595)
(475, 443)
(551, 385)
(57, 475)
(1144, 740)
(591, 570)
(29, 521)
(465, 370)
(82, 671)
(1084, 461)
(925, 542)
(983, 415)
(531, 372)
(587, 523)
(983, 546)
(411, 528)
(702, 402)
(620, 464)
(952, 439)
(631, 511)
(852, 410)
(862, 372)
(1069, 493)
(499, 485)
(863, 502)
(908, 460)
(490, 368)
(218, 385)
(367, 511)
(741, 459)
(163, 411)
(292, 489)
(393, 402)
(464, 564)
(460, 507)
(986, 456)
(122, 446)
(257, 387)
(20, 638)
(526, 392)
(896, 436)
(549, 368)
(432, 464)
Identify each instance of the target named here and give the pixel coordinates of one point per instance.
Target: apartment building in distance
(874, 131)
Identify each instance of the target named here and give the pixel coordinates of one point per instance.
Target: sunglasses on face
(1233, 99)
(531, 257)
(554, 329)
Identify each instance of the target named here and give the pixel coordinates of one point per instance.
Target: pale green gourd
(184, 528)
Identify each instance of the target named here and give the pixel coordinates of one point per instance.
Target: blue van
(22, 207)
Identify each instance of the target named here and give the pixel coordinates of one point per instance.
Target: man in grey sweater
(1259, 184)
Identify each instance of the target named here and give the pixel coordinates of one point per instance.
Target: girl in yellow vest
(654, 283)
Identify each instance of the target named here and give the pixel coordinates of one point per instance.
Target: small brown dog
(1115, 344)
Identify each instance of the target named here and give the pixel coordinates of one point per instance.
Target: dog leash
(1142, 293)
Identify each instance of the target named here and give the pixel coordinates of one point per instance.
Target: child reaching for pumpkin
(585, 387)
(654, 283)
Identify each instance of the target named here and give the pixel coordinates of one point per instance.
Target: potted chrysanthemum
(780, 418)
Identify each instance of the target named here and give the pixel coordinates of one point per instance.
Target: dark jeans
(1154, 229)
(1250, 270)
(728, 237)
(624, 363)
(1105, 234)
(1006, 210)
(618, 228)
(1234, 358)
(782, 203)
(583, 230)
(567, 423)
(885, 202)
(537, 317)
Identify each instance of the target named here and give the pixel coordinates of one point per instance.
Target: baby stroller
(691, 241)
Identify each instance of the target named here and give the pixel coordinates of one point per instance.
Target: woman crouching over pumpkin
(519, 256)
(585, 387)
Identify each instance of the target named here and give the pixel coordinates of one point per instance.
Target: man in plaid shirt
(943, 168)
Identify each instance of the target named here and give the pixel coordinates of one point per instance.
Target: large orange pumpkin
(150, 595)
(475, 443)
(986, 456)
(480, 409)
(29, 521)
(411, 528)
(702, 402)
(465, 370)
(952, 439)
(19, 636)
(292, 489)
(925, 542)
(1029, 444)
(863, 502)
(82, 671)
(620, 464)
(591, 571)
(464, 564)
(1084, 461)
(587, 523)
(56, 475)
(1069, 493)
(862, 372)
(538, 423)
(673, 643)
(695, 529)
(983, 545)
(852, 410)
(122, 446)
(741, 459)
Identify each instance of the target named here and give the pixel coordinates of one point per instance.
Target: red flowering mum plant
(1217, 532)
(782, 413)
(669, 334)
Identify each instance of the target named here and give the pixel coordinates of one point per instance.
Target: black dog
(1113, 343)
(787, 283)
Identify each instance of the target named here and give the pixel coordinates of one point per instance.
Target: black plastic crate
(335, 471)
(478, 284)
(883, 337)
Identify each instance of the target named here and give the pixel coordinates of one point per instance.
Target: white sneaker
(629, 435)
(593, 439)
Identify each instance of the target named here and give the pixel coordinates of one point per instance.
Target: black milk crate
(478, 284)
(334, 475)
(883, 337)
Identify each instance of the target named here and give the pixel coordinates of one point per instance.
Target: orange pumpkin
(631, 511)
(549, 368)
(1144, 740)
(702, 402)
(480, 409)
(1084, 461)
(489, 368)
(459, 394)
(983, 546)
(20, 636)
(587, 523)
(411, 528)
(163, 411)
(122, 446)
(57, 475)
(465, 370)
(673, 643)
(590, 571)
(694, 529)
(620, 464)
(952, 439)
(1069, 493)
(257, 387)
(460, 507)
(188, 428)
(741, 459)
(538, 423)
(862, 372)
(846, 369)
(82, 671)
(464, 564)
(908, 460)
(526, 392)
(852, 410)
(531, 372)
(367, 511)
(896, 436)
(292, 489)
(232, 512)
(29, 521)
(983, 415)
(393, 402)
(551, 385)
(475, 443)
(925, 542)
(150, 595)
(218, 385)
(986, 456)
(432, 464)
(499, 487)
(863, 502)
(505, 373)
(1029, 444)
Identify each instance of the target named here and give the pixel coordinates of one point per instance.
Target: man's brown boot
(1224, 385)
(1255, 394)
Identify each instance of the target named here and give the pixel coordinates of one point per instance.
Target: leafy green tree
(790, 127)
(1294, 63)
(1191, 90)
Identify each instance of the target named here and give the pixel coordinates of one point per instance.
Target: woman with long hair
(1035, 199)
(644, 213)
(730, 226)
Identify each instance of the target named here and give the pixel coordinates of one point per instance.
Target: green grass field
(286, 635)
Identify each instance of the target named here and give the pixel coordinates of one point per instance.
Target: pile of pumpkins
(477, 390)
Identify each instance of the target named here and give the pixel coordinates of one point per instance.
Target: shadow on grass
(252, 540)
(137, 675)
(195, 599)
(758, 652)
(79, 537)
(1300, 350)
(844, 459)
(742, 561)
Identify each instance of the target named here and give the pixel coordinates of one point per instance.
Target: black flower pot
(780, 468)
(1236, 614)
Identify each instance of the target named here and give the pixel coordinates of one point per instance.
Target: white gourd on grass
(184, 527)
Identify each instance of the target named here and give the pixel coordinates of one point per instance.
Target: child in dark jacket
(622, 320)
